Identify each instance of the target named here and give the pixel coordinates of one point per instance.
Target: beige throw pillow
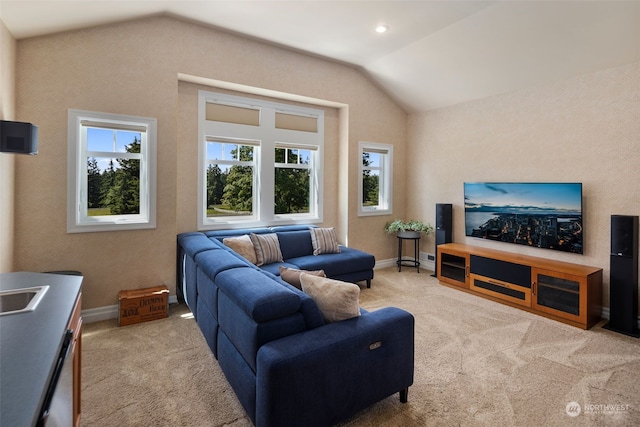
(336, 300)
(267, 247)
(292, 275)
(324, 241)
(243, 246)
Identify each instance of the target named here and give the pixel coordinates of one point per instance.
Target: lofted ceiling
(435, 53)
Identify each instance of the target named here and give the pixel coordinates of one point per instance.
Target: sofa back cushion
(256, 294)
(295, 244)
(221, 234)
(215, 261)
(194, 243)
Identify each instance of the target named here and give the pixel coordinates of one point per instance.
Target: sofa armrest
(322, 376)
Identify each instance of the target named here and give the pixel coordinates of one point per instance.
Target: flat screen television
(538, 214)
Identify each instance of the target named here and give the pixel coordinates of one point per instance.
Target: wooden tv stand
(569, 293)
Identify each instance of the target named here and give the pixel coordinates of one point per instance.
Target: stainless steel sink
(21, 300)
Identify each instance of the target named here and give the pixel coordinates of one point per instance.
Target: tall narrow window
(375, 184)
(293, 183)
(111, 172)
(230, 177)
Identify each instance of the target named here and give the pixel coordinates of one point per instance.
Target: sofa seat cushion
(274, 268)
(259, 297)
(347, 261)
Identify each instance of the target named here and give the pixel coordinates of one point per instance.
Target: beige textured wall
(7, 161)
(586, 129)
(132, 68)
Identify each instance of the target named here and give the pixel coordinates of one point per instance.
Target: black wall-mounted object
(623, 279)
(444, 227)
(18, 137)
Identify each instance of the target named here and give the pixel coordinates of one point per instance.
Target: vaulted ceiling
(434, 54)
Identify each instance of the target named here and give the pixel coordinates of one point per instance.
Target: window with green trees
(230, 178)
(260, 161)
(292, 187)
(112, 182)
(375, 185)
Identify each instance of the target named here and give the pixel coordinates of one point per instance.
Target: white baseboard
(391, 262)
(109, 312)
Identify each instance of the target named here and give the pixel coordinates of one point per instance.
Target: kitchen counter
(30, 343)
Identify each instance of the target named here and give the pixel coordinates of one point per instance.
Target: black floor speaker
(623, 279)
(444, 228)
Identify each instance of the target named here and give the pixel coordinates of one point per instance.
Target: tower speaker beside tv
(18, 137)
(623, 279)
(444, 227)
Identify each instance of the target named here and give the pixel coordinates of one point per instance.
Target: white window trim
(270, 137)
(77, 220)
(385, 206)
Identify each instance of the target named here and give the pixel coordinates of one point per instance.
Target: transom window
(111, 172)
(260, 162)
(375, 185)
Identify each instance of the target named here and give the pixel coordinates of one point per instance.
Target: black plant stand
(408, 262)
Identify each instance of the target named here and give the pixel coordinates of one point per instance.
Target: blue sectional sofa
(287, 365)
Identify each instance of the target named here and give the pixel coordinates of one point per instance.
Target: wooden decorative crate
(143, 305)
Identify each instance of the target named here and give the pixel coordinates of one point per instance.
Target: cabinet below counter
(31, 342)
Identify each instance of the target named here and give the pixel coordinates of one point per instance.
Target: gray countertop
(30, 343)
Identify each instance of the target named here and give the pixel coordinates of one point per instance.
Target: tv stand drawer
(501, 271)
(502, 290)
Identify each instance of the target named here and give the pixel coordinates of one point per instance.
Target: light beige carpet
(477, 363)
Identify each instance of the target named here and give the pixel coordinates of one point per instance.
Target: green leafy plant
(399, 225)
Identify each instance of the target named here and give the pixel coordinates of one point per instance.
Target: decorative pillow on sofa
(243, 246)
(267, 248)
(336, 300)
(324, 241)
(292, 275)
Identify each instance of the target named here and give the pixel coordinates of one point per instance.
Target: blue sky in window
(374, 159)
(108, 140)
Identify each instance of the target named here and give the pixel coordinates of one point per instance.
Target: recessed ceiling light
(382, 28)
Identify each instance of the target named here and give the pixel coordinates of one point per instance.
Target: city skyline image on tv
(543, 215)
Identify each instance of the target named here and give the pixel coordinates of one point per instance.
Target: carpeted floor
(477, 363)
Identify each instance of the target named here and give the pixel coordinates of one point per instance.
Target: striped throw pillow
(324, 241)
(267, 248)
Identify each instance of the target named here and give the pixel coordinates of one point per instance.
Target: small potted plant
(411, 228)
